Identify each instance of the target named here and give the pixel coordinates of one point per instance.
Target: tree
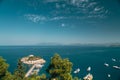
(20, 71)
(7, 76)
(3, 67)
(59, 69)
(35, 77)
(43, 77)
(75, 78)
(4, 74)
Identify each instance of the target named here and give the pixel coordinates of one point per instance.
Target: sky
(33, 22)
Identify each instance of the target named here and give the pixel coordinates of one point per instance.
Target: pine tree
(20, 71)
(8, 76)
(59, 69)
(3, 67)
(4, 74)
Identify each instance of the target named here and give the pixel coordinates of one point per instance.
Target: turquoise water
(82, 57)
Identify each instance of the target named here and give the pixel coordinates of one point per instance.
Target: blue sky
(32, 22)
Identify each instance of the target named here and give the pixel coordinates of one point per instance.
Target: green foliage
(20, 71)
(43, 77)
(75, 78)
(3, 67)
(34, 77)
(66, 76)
(7, 76)
(59, 68)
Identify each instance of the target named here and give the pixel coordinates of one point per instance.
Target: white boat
(109, 75)
(106, 64)
(116, 67)
(77, 70)
(89, 68)
(113, 59)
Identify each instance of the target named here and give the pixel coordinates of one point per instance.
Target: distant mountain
(115, 45)
(79, 44)
(49, 44)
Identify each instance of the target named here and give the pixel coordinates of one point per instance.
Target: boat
(109, 75)
(113, 59)
(77, 70)
(116, 67)
(89, 68)
(106, 64)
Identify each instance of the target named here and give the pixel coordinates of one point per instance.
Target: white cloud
(92, 4)
(90, 8)
(79, 3)
(97, 16)
(98, 12)
(38, 18)
(98, 8)
(35, 18)
(86, 9)
(57, 18)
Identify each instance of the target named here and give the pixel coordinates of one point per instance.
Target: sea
(81, 56)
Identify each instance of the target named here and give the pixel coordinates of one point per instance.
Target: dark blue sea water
(81, 57)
